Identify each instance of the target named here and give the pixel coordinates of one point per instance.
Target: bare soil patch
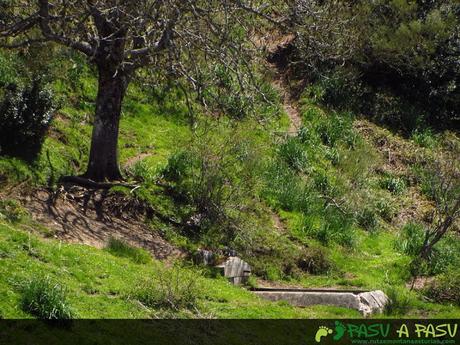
(78, 215)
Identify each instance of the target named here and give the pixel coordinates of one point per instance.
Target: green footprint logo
(339, 331)
(323, 331)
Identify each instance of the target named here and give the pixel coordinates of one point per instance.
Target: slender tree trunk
(103, 158)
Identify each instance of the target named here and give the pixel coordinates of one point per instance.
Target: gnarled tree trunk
(103, 158)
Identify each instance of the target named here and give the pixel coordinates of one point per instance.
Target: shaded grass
(122, 249)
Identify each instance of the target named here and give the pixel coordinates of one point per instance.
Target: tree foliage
(394, 60)
(25, 116)
(172, 39)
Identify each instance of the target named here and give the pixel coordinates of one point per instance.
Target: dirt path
(289, 105)
(278, 49)
(131, 162)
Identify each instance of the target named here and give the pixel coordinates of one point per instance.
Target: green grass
(100, 285)
(122, 249)
(328, 159)
(45, 299)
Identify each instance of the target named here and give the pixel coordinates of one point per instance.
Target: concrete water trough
(366, 302)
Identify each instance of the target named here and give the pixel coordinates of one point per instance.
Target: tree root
(87, 183)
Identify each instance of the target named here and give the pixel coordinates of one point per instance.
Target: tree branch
(44, 20)
(20, 26)
(23, 43)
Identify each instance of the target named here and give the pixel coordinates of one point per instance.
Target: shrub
(368, 55)
(445, 288)
(8, 73)
(293, 153)
(314, 261)
(395, 185)
(444, 255)
(367, 219)
(45, 299)
(400, 300)
(213, 181)
(173, 289)
(25, 115)
(122, 249)
(12, 211)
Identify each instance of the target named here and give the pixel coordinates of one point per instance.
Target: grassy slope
(99, 283)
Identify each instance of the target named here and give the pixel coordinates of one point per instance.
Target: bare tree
(442, 182)
(174, 37)
(327, 32)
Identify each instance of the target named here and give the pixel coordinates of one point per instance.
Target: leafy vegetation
(173, 289)
(122, 249)
(445, 289)
(45, 299)
(369, 55)
(25, 116)
(341, 202)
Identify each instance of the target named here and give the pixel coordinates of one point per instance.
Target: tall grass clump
(45, 299)
(395, 185)
(400, 301)
(443, 257)
(122, 249)
(171, 289)
(12, 211)
(293, 153)
(445, 288)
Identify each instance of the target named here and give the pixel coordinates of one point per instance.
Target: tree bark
(103, 158)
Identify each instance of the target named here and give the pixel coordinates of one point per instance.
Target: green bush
(12, 211)
(25, 115)
(445, 288)
(314, 261)
(368, 55)
(294, 154)
(400, 300)
(173, 288)
(45, 299)
(8, 74)
(393, 184)
(213, 182)
(367, 219)
(122, 249)
(445, 255)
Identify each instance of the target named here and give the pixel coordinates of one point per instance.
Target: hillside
(308, 167)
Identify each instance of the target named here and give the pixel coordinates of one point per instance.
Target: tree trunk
(103, 158)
